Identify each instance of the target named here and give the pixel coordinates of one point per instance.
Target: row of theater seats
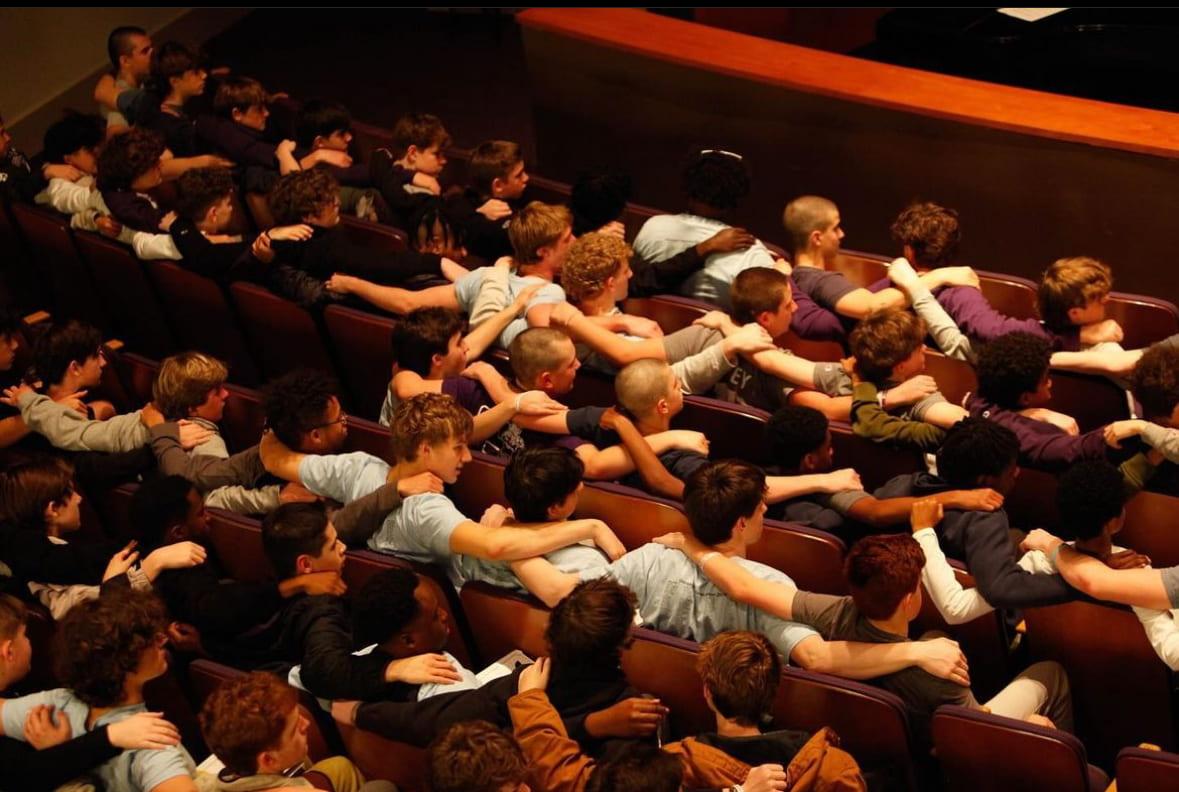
(1121, 690)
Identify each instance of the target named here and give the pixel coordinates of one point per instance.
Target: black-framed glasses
(343, 419)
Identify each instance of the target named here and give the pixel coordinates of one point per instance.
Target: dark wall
(1024, 201)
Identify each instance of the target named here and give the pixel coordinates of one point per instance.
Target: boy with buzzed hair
(496, 182)
(407, 172)
(429, 436)
(130, 51)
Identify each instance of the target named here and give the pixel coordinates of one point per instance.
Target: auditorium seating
(281, 335)
(1144, 770)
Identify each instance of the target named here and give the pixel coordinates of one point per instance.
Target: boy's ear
(235, 114)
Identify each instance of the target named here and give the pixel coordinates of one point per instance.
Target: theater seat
(238, 541)
(374, 235)
(505, 621)
(1141, 770)
(734, 431)
(877, 463)
(281, 335)
(201, 318)
(672, 313)
(361, 342)
(812, 558)
(1144, 320)
(862, 269)
(1010, 295)
(1150, 528)
(127, 295)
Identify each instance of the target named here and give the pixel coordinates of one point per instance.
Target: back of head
(590, 626)
(593, 259)
(421, 334)
(238, 93)
(302, 194)
(63, 344)
(246, 716)
(741, 671)
(491, 160)
(474, 756)
(198, 189)
(1010, 366)
(1090, 494)
(101, 642)
(757, 290)
(126, 157)
(1071, 283)
(884, 339)
(13, 615)
(432, 229)
(1155, 381)
(293, 530)
(184, 381)
(598, 199)
(171, 60)
(319, 118)
(973, 448)
(539, 478)
(75, 131)
(430, 418)
(535, 351)
(28, 485)
(121, 41)
(718, 495)
(795, 431)
(640, 385)
(805, 215)
(535, 226)
(420, 130)
(296, 403)
(931, 231)
(384, 605)
(881, 571)
(639, 767)
(717, 179)
(156, 507)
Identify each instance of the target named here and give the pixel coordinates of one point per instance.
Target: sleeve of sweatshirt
(245, 500)
(357, 521)
(1163, 634)
(1059, 450)
(69, 430)
(700, 372)
(1001, 581)
(205, 472)
(1163, 440)
(67, 197)
(869, 420)
(663, 277)
(555, 759)
(330, 670)
(956, 604)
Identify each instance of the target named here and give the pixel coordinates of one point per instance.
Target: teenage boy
(496, 182)
(407, 172)
(716, 182)
(884, 578)
(48, 758)
(322, 125)
(429, 434)
(256, 729)
(725, 506)
(181, 79)
(130, 51)
(20, 179)
(1155, 384)
(475, 756)
(68, 361)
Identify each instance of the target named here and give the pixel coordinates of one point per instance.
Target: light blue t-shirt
(664, 236)
(130, 771)
(466, 290)
(675, 597)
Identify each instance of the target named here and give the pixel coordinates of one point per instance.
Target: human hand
(180, 555)
(675, 540)
(1039, 539)
(319, 583)
(508, 263)
(261, 249)
(45, 727)
(166, 221)
(926, 514)
(537, 403)
(151, 416)
(428, 182)
(423, 669)
(185, 638)
(143, 731)
(717, 320)
(641, 326)
(726, 241)
(192, 434)
(943, 658)
(630, 718)
(842, 481)
(535, 676)
(345, 712)
(1098, 332)
(911, 391)
(121, 561)
(525, 296)
(614, 228)
(748, 340)
(1127, 559)
(215, 161)
(687, 440)
(108, 226)
(765, 778)
(339, 159)
(901, 273)
(954, 276)
(299, 232)
(494, 516)
(1040, 720)
(977, 500)
(1118, 431)
(62, 171)
(495, 209)
(419, 484)
(12, 395)
(783, 266)
(74, 401)
(482, 371)
(341, 284)
(611, 418)
(285, 148)
(605, 539)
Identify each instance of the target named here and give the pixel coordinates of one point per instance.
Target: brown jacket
(558, 765)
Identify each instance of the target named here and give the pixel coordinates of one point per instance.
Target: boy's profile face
(1041, 395)
(8, 347)
(328, 215)
(830, 238)
(137, 63)
(331, 555)
(446, 459)
(292, 747)
(338, 140)
(1093, 311)
(622, 281)
(559, 381)
(512, 185)
(191, 83)
(430, 161)
(90, 370)
(911, 366)
(456, 356)
(84, 159)
(253, 117)
(778, 322)
(221, 213)
(151, 178)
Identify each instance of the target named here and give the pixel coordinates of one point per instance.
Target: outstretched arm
(544, 581)
(278, 459)
(391, 298)
(1143, 588)
(505, 543)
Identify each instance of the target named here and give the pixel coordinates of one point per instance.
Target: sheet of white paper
(1031, 14)
(502, 667)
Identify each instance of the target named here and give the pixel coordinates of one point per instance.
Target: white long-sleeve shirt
(82, 201)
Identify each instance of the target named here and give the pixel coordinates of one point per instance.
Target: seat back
(980, 752)
(361, 342)
(47, 235)
(1121, 691)
(875, 462)
(480, 485)
(734, 431)
(672, 313)
(1140, 770)
(1144, 320)
(243, 419)
(1093, 401)
(1150, 528)
(812, 558)
(138, 375)
(817, 351)
(126, 295)
(634, 516)
(238, 541)
(955, 378)
(374, 235)
(1010, 295)
(281, 335)
(862, 269)
(506, 620)
(201, 318)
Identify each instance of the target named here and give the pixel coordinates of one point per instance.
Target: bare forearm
(657, 478)
(854, 660)
(488, 422)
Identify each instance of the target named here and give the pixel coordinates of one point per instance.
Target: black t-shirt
(584, 423)
(825, 288)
